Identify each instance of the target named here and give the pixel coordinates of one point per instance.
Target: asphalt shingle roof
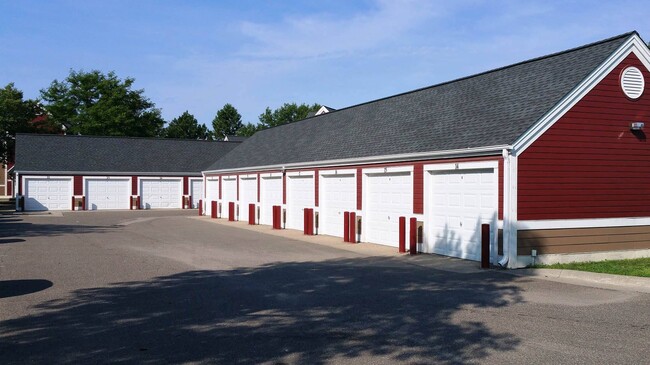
(41, 152)
(489, 109)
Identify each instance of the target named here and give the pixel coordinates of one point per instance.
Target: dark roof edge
(121, 137)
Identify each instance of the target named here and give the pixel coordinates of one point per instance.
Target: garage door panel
(460, 202)
(300, 195)
(390, 196)
(228, 195)
(196, 192)
(48, 194)
(270, 195)
(338, 194)
(160, 194)
(211, 194)
(107, 194)
(248, 191)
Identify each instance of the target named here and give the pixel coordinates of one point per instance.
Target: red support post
(213, 211)
(83, 202)
(137, 201)
(200, 207)
(251, 214)
(413, 245)
(485, 246)
(73, 207)
(276, 217)
(402, 234)
(310, 222)
(353, 227)
(305, 217)
(231, 211)
(346, 227)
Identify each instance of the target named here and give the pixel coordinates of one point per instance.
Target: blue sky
(199, 55)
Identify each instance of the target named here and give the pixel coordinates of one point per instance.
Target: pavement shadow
(14, 288)
(18, 227)
(307, 313)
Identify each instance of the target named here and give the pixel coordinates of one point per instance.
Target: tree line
(95, 103)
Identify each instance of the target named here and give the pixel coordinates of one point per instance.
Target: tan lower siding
(574, 240)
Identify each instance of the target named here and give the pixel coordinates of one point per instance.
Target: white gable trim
(633, 45)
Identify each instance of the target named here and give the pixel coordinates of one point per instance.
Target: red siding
(284, 188)
(134, 185)
(220, 179)
(500, 204)
(78, 184)
(258, 188)
(418, 188)
(237, 182)
(185, 186)
(359, 188)
(316, 179)
(589, 164)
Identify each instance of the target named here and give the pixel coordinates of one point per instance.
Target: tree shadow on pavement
(308, 313)
(18, 227)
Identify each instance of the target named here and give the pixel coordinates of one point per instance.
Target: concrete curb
(585, 278)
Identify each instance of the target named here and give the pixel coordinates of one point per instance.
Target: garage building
(59, 172)
(551, 153)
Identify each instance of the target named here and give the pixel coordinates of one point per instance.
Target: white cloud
(325, 35)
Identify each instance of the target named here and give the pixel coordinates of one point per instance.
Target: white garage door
(300, 195)
(212, 194)
(228, 194)
(48, 194)
(270, 195)
(338, 194)
(108, 194)
(247, 195)
(459, 202)
(165, 193)
(196, 192)
(390, 196)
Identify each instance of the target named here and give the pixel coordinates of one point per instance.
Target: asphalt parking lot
(168, 287)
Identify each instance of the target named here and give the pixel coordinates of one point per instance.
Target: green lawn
(633, 267)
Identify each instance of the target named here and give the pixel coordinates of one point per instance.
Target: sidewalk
(585, 278)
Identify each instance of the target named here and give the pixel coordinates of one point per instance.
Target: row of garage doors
(456, 202)
(55, 193)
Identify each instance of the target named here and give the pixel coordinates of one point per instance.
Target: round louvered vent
(632, 82)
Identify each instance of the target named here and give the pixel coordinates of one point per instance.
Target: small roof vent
(632, 82)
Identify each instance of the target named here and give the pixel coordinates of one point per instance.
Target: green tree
(93, 103)
(16, 115)
(287, 113)
(227, 122)
(186, 127)
(248, 130)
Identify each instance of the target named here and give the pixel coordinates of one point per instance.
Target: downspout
(509, 259)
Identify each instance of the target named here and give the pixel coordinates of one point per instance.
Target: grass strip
(631, 267)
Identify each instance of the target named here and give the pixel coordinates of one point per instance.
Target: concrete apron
(433, 261)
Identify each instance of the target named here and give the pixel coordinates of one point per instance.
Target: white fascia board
(389, 170)
(582, 223)
(465, 152)
(300, 174)
(338, 172)
(267, 175)
(113, 173)
(633, 44)
(469, 165)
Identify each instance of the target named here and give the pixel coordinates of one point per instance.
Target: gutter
(466, 152)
